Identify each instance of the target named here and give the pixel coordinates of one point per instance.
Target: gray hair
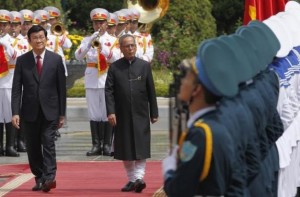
(121, 39)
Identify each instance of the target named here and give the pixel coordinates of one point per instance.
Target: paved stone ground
(75, 138)
(74, 145)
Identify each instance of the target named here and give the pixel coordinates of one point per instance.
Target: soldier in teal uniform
(239, 121)
(206, 155)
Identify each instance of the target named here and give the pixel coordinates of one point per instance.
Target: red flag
(102, 64)
(262, 9)
(3, 62)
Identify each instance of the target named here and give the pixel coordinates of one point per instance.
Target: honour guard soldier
(8, 55)
(96, 49)
(206, 153)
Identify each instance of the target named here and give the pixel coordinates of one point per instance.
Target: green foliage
(18, 5)
(178, 34)
(79, 12)
(162, 78)
(228, 15)
(76, 92)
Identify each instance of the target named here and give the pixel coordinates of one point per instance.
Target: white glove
(92, 38)
(170, 162)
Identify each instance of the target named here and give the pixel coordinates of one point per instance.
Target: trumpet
(96, 42)
(58, 29)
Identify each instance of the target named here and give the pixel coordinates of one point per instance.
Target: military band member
(112, 24)
(128, 19)
(20, 45)
(44, 16)
(27, 16)
(96, 49)
(8, 57)
(57, 41)
(36, 19)
(121, 27)
(144, 40)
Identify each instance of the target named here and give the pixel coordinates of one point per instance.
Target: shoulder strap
(208, 149)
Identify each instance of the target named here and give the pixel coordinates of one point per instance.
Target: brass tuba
(150, 10)
(58, 29)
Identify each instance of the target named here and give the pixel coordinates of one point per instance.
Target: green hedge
(162, 78)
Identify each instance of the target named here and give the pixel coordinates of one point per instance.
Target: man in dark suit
(39, 104)
(131, 105)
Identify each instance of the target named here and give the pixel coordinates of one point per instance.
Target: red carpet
(85, 179)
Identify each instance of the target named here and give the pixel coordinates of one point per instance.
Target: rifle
(178, 111)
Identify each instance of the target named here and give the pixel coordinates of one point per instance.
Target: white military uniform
(95, 81)
(6, 78)
(145, 46)
(58, 44)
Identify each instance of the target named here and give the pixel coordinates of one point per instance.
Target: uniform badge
(187, 151)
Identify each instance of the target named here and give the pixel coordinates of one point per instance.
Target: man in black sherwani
(131, 105)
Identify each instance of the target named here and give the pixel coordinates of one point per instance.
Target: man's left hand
(154, 120)
(61, 122)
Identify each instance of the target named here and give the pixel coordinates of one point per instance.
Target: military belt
(93, 65)
(11, 66)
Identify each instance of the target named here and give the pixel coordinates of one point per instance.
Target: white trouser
(5, 105)
(95, 98)
(135, 169)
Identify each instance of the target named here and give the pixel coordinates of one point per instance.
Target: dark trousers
(40, 139)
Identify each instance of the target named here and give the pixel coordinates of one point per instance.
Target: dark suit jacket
(30, 92)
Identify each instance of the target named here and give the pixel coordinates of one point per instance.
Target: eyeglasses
(38, 38)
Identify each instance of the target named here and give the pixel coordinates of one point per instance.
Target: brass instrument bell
(58, 29)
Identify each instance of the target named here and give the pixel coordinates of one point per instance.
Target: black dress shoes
(38, 186)
(128, 187)
(48, 185)
(139, 185)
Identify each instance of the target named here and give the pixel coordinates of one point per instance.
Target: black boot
(10, 141)
(1, 140)
(21, 147)
(107, 139)
(96, 149)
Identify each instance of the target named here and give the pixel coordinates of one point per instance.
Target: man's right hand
(93, 37)
(16, 121)
(112, 119)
